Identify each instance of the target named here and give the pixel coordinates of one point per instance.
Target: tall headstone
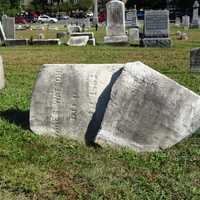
(2, 78)
(195, 60)
(186, 21)
(195, 18)
(148, 111)
(2, 33)
(8, 24)
(70, 100)
(95, 14)
(115, 28)
(156, 29)
(131, 18)
(177, 22)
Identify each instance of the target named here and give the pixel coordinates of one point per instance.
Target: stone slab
(78, 41)
(70, 100)
(195, 60)
(156, 23)
(16, 42)
(46, 42)
(148, 111)
(2, 77)
(90, 34)
(116, 39)
(156, 42)
(134, 35)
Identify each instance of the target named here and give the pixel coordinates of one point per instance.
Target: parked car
(20, 20)
(89, 14)
(63, 17)
(46, 19)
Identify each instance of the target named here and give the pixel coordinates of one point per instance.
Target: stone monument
(115, 28)
(178, 22)
(70, 100)
(131, 18)
(156, 29)
(195, 60)
(8, 24)
(78, 41)
(195, 18)
(186, 21)
(148, 111)
(2, 78)
(95, 14)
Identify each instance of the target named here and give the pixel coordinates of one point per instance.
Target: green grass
(38, 167)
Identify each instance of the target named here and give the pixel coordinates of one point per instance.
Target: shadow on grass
(17, 117)
(97, 118)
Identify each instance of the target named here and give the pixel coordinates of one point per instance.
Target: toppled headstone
(91, 40)
(2, 78)
(156, 29)
(115, 29)
(78, 41)
(148, 111)
(195, 60)
(70, 100)
(46, 42)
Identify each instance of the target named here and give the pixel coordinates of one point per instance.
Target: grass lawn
(38, 167)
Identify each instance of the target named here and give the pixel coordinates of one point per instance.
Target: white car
(89, 14)
(46, 19)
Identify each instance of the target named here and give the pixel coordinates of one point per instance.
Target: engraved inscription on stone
(148, 111)
(156, 23)
(65, 98)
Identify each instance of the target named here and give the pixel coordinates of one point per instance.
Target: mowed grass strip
(39, 167)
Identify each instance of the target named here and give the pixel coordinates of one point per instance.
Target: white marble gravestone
(2, 78)
(195, 60)
(8, 24)
(134, 35)
(156, 29)
(115, 28)
(2, 33)
(178, 22)
(186, 21)
(71, 99)
(195, 18)
(148, 111)
(78, 40)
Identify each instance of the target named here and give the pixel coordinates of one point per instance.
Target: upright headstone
(177, 22)
(115, 28)
(2, 78)
(70, 100)
(195, 60)
(156, 29)
(2, 33)
(134, 35)
(8, 24)
(148, 111)
(186, 21)
(131, 18)
(95, 14)
(195, 18)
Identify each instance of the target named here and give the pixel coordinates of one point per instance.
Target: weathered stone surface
(2, 78)
(71, 99)
(195, 60)
(61, 35)
(195, 18)
(46, 42)
(73, 29)
(156, 23)
(148, 111)
(89, 34)
(2, 33)
(186, 21)
(15, 42)
(8, 24)
(156, 42)
(134, 35)
(115, 29)
(78, 41)
(131, 18)
(177, 22)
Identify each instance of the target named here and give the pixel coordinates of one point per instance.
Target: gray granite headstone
(8, 24)
(2, 78)
(148, 111)
(78, 41)
(156, 29)
(195, 19)
(115, 28)
(70, 100)
(195, 60)
(131, 18)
